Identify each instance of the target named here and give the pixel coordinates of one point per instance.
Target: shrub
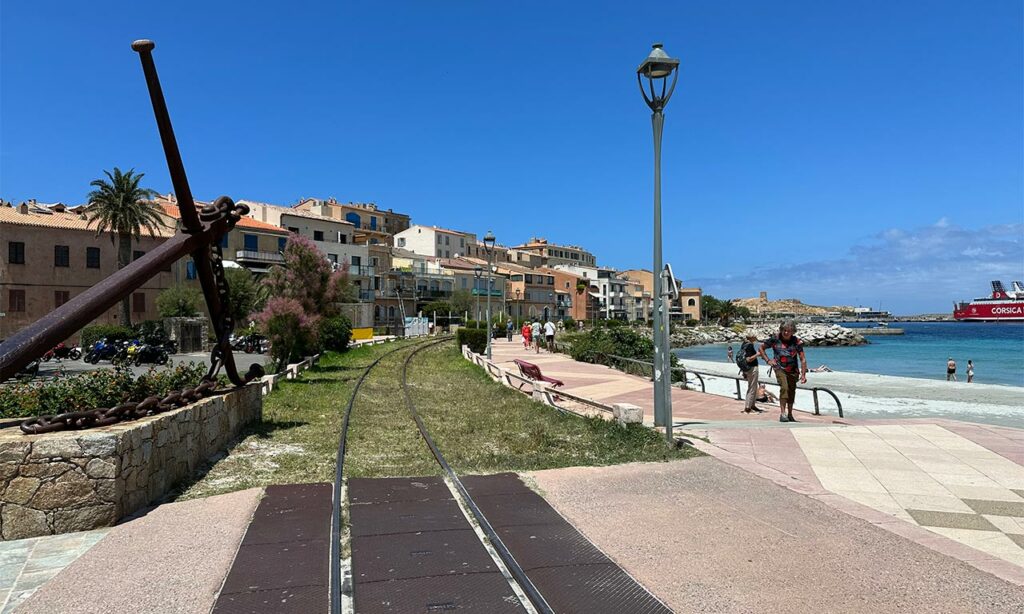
(335, 333)
(101, 388)
(595, 345)
(179, 301)
(291, 332)
(569, 323)
(475, 338)
(691, 322)
(113, 332)
(152, 332)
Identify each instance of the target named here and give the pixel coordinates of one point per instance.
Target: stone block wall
(79, 480)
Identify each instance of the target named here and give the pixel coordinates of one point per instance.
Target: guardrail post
(739, 396)
(814, 391)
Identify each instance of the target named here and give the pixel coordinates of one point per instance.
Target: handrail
(814, 390)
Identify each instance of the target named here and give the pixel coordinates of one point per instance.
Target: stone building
(687, 306)
(435, 241)
(372, 225)
(552, 254)
(49, 255)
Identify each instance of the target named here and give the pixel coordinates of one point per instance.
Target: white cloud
(906, 271)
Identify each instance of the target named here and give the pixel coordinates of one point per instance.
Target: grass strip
(484, 427)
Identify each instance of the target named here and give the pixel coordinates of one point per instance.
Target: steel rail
(335, 576)
(513, 566)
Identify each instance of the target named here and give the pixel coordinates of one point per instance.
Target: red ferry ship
(1002, 305)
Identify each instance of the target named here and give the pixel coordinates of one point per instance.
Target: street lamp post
(520, 307)
(656, 70)
(554, 310)
(489, 245)
(477, 273)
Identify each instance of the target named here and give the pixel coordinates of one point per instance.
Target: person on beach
(729, 354)
(822, 369)
(747, 362)
(765, 396)
(527, 331)
(970, 372)
(535, 333)
(788, 360)
(950, 369)
(549, 335)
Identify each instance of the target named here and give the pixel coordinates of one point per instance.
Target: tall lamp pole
(477, 273)
(489, 245)
(656, 70)
(520, 305)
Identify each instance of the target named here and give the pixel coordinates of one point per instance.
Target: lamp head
(489, 240)
(657, 65)
(656, 68)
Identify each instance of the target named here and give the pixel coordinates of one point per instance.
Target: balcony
(244, 256)
(361, 271)
(367, 295)
(483, 292)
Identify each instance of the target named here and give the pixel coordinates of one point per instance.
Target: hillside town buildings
(398, 266)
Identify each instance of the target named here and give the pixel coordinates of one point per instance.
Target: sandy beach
(865, 395)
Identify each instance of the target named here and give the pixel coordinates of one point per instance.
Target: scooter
(61, 351)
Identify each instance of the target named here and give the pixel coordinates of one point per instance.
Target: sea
(996, 348)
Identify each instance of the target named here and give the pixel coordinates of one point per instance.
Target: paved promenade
(954, 487)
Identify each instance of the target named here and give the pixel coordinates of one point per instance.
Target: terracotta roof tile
(171, 210)
(55, 219)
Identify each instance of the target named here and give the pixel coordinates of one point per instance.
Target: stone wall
(78, 480)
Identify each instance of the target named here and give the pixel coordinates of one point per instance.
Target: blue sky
(842, 153)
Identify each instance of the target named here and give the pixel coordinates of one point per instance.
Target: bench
(532, 371)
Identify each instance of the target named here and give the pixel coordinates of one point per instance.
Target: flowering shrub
(289, 328)
(101, 388)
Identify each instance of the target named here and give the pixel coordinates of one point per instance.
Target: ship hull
(994, 311)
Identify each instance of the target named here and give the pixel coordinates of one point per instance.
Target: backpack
(741, 358)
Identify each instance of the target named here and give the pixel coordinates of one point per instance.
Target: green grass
(479, 425)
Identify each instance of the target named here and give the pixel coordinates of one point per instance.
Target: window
(401, 241)
(462, 242)
(353, 218)
(440, 239)
(447, 254)
(447, 240)
(60, 297)
(281, 244)
(357, 260)
(251, 243)
(691, 303)
(342, 238)
(92, 257)
(16, 300)
(551, 281)
(333, 258)
(139, 302)
(293, 230)
(61, 255)
(373, 222)
(318, 235)
(224, 240)
(136, 254)
(15, 252)
(190, 270)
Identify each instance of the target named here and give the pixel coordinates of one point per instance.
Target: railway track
(413, 548)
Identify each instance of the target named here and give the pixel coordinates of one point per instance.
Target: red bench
(532, 371)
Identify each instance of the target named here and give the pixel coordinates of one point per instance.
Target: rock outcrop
(812, 334)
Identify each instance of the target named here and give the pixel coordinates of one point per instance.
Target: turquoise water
(997, 350)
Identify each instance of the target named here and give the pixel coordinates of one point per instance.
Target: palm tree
(727, 313)
(122, 208)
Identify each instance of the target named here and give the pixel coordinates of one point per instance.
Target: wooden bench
(532, 371)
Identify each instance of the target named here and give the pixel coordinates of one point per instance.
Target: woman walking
(526, 335)
(788, 360)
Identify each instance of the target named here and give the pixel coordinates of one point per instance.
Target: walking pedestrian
(549, 335)
(527, 332)
(950, 369)
(536, 333)
(729, 354)
(970, 372)
(747, 362)
(788, 359)
(509, 329)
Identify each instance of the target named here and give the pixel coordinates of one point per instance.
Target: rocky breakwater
(811, 334)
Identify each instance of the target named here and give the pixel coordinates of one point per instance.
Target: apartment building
(531, 293)
(373, 226)
(570, 302)
(687, 306)
(252, 244)
(607, 287)
(51, 255)
(552, 255)
(333, 237)
(434, 241)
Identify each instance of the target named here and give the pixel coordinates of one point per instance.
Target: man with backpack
(746, 360)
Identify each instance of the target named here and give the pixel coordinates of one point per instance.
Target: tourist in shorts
(535, 333)
(788, 361)
(970, 372)
(950, 369)
(748, 369)
(549, 335)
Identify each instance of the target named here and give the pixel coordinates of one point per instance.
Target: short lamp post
(477, 274)
(489, 245)
(655, 73)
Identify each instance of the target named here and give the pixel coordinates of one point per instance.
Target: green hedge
(102, 388)
(113, 332)
(475, 338)
(335, 333)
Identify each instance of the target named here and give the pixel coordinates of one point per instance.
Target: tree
(461, 301)
(290, 329)
(179, 302)
(307, 277)
(247, 296)
(121, 207)
(727, 312)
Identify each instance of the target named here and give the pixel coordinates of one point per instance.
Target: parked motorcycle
(255, 344)
(102, 350)
(62, 352)
(146, 353)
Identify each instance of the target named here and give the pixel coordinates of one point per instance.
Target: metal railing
(243, 255)
(814, 390)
